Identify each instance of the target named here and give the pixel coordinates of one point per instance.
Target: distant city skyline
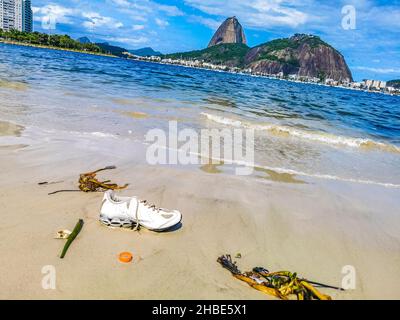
(372, 49)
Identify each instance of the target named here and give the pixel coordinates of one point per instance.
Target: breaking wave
(321, 137)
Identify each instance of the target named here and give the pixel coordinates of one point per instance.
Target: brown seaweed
(281, 284)
(89, 183)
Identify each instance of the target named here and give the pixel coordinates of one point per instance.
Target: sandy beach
(324, 197)
(314, 228)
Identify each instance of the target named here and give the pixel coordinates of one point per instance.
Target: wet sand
(10, 129)
(314, 228)
(13, 85)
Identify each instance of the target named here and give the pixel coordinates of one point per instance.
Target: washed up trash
(62, 234)
(46, 183)
(281, 284)
(89, 183)
(131, 212)
(71, 237)
(125, 257)
(238, 255)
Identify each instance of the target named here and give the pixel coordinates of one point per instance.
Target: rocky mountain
(145, 52)
(230, 31)
(120, 51)
(84, 40)
(304, 55)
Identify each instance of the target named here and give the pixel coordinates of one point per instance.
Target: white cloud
(161, 23)
(170, 10)
(54, 12)
(121, 3)
(148, 7)
(208, 22)
(256, 13)
(129, 41)
(95, 20)
(137, 27)
(378, 70)
(387, 17)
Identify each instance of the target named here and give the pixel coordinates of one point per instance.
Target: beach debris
(71, 237)
(63, 234)
(125, 257)
(46, 183)
(134, 213)
(89, 183)
(238, 255)
(281, 284)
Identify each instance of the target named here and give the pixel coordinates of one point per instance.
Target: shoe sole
(130, 225)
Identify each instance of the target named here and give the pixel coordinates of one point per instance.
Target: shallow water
(301, 129)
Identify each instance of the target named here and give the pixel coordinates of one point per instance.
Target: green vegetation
(230, 54)
(53, 40)
(270, 49)
(321, 75)
(113, 50)
(311, 40)
(283, 51)
(279, 44)
(270, 57)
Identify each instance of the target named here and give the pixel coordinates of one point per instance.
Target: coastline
(24, 44)
(270, 77)
(190, 67)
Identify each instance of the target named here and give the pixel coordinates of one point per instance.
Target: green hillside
(114, 50)
(230, 54)
(53, 40)
(271, 50)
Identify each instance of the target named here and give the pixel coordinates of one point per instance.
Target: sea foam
(316, 136)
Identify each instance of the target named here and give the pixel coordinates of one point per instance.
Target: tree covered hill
(50, 40)
(229, 54)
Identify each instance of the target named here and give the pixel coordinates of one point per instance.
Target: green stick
(72, 237)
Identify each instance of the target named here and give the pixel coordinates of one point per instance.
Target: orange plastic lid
(125, 257)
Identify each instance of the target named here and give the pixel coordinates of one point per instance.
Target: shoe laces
(150, 206)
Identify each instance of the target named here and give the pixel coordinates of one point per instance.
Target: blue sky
(372, 49)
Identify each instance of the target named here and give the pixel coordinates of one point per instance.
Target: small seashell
(62, 234)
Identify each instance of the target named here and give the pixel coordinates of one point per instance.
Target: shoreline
(24, 44)
(16, 43)
(261, 76)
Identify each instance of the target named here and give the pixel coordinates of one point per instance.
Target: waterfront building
(27, 16)
(16, 15)
(375, 84)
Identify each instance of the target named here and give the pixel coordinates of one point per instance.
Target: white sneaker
(127, 212)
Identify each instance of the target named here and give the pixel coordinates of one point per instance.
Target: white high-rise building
(16, 14)
(7, 13)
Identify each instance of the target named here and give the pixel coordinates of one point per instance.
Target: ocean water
(301, 129)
